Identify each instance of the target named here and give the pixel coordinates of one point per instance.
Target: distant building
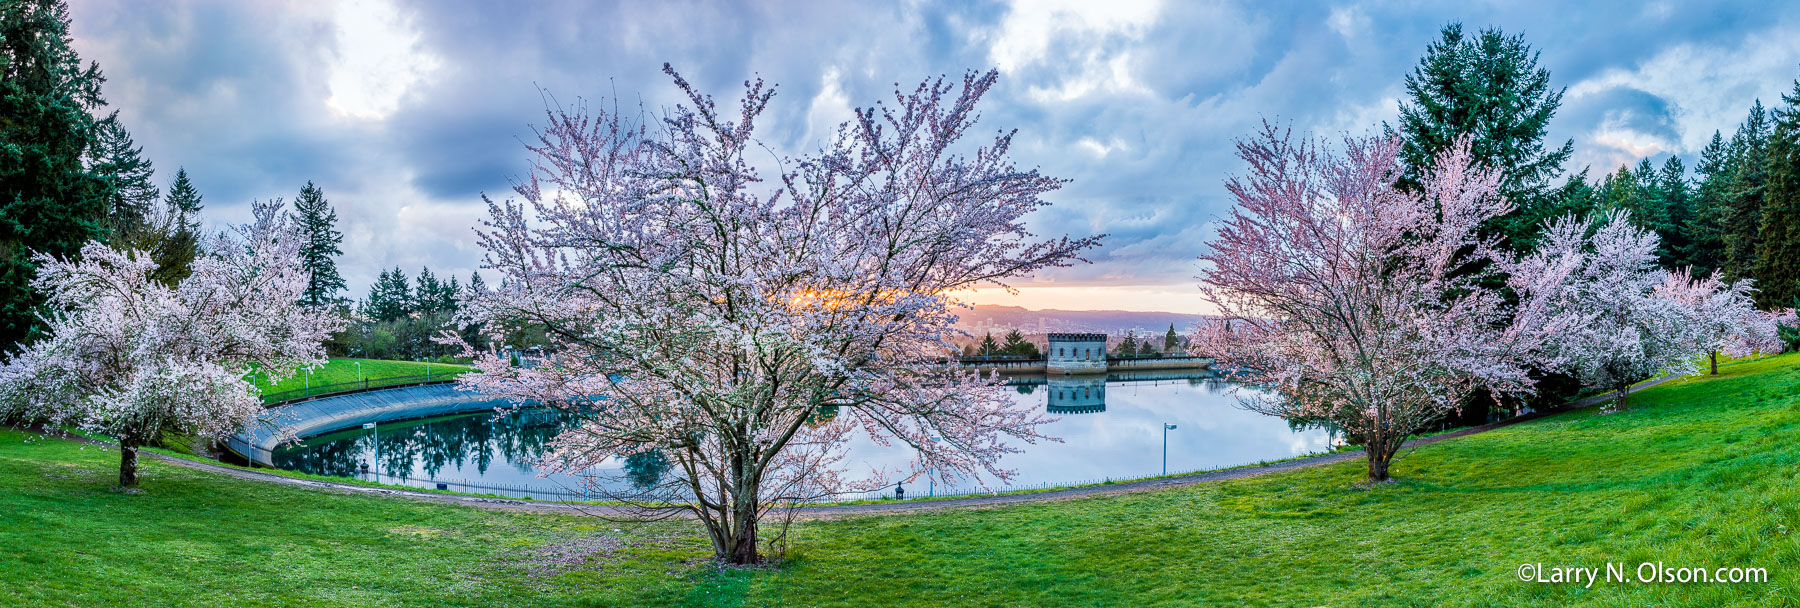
(1076, 354)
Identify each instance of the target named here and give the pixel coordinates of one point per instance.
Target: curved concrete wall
(307, 418)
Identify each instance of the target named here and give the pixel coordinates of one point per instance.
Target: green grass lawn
(343, 372)
(1700, 472)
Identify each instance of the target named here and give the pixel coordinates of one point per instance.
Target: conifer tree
(390, 298)
(1743, 211)
(184, 198)
(119, 161)
(988, 346)
(50, 200)
(178, 232)
(319, 255)
(1170, 340)
(1490, 88)
(1778, 247)
(1676, 202)
(1706, 237)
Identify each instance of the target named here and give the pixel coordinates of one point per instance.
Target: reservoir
(1111, 426)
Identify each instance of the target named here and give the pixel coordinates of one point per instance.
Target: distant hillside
(1000, 319)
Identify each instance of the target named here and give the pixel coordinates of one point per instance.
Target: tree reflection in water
(409, 448)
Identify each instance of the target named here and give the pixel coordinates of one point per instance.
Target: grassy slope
(1700, 473)
(344, 371)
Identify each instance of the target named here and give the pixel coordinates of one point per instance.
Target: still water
(1111, 428)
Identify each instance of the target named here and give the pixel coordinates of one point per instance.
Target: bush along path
(828, 511)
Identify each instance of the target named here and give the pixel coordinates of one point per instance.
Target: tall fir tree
(50, 200)
(1705, 231)
(1778, 248)
(1170, 340)
(1490, 88)
(130, 195)
(1676, 202)
(390, 298)
(180, 239)
(319, 256)
(1743, 213)
(184, 198)
(427, 293)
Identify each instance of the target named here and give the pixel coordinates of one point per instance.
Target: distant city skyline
(406, 113)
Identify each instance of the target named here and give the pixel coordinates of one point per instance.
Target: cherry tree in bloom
(745, 327)
(1356, 303)
(1721, 317)
(1629, 322)
(133, 359)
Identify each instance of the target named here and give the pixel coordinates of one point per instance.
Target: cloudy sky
(406, 112)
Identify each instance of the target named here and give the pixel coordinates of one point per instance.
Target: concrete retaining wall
(307, 418)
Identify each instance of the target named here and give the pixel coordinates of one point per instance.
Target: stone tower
(1076, 354)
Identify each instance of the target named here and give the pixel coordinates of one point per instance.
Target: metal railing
(319, 390)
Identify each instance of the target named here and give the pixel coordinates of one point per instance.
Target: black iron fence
(317, 390)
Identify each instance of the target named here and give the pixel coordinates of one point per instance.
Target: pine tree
(390, 298)
(177, 238)
(319, 255)
(1778, 249)
(1014, 343)
(428, 294)
(1490, 88)
(1705, 226)
(1744, 201)
(130, 195)
(184, 198)
(1170, 340)
(988, 346)
(1678, 212)
(1128, 347)
(50, 200)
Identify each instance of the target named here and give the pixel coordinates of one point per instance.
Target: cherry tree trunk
(1380, 456)
(744, 545)
(1714, 355)
(128, 457)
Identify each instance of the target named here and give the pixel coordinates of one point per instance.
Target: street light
(359, 379)
(1166, 428)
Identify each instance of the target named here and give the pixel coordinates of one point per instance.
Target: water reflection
(1109, 426)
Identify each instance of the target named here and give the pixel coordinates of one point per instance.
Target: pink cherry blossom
(747, 326)
(1357, 303)
(133, 359)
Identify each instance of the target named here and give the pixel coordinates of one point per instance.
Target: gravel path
(889, 507)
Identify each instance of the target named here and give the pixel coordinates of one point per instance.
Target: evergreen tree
(1128, 347)
(1170, 340)
(1488, 87)
(1671, 187)
(119, 161)
(1015, 344)
(1706, 237)
(390, 298)
(319, 254)
(428, 294)
(988, 346)
(1778, 249)
(50, 200)
(178, 233)
(1743, 211)
(184, 198)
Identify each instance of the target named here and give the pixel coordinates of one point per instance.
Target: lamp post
(1166, 428)
(359, 378)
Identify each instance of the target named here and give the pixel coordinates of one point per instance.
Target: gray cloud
(1137, 104)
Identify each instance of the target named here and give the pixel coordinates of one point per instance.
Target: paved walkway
(893, 507)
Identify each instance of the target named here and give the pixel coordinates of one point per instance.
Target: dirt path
(890, 507)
